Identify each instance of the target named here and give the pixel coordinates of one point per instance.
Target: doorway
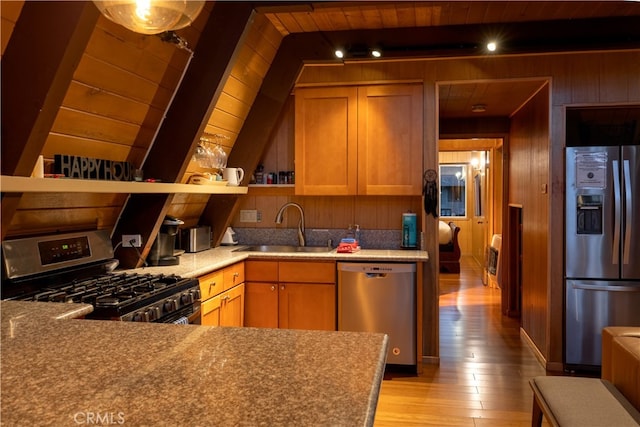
(471, 189)
(470, 112)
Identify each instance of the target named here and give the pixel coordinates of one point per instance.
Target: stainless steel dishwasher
(376, 297)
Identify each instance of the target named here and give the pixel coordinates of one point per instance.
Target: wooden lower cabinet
(277, 297)
(225, 309)
(222, 294)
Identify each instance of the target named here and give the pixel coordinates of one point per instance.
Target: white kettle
(229, 237)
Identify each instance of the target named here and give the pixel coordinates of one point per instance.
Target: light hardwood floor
(482, 379)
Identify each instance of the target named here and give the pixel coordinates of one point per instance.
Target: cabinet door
(210, 310)
(307, 306)
(326, 141)
(390, 135)
(261, 305)
(232, 311)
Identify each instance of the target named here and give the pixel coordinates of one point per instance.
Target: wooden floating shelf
(22, 184)
(272, 189)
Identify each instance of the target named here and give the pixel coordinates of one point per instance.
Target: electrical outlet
(249, 215)
(131, 240)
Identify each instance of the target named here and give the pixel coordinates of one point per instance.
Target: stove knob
(138, 317)
(196, 294)
(187, 298)
(152, 314)
(170, 305)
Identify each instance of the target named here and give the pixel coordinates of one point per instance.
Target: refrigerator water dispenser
(589, 214)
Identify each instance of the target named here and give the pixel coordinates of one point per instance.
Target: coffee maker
(163, 250)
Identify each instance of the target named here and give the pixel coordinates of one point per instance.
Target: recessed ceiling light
(339, 53)
(376, 53)
(492, 46)
(478, 108)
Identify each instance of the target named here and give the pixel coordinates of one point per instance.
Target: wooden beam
(276, 87)
(185, 121)
(513, 38)
(43, 52)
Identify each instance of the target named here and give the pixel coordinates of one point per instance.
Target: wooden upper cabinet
(359, 140)
(390, 135)
(326, 135)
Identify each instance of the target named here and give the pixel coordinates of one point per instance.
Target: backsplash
(369, 239)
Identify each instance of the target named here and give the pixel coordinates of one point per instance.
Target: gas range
(78, 268)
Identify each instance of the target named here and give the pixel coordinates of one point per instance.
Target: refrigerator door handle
(617, 201)
(606, 288)
(628, 213)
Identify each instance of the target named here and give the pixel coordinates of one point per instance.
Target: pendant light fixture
(151, 16)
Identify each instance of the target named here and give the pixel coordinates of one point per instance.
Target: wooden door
(261, 305)
(232, 312)
(326, 141)
(211, 311)
(307, 306)
(390, 135)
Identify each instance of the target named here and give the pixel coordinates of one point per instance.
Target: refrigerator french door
(602, 251)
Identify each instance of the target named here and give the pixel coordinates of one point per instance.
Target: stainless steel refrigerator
(602, 251)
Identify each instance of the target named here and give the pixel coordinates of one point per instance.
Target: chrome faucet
(301, 241)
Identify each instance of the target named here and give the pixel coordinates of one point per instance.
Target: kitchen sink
(284, 248)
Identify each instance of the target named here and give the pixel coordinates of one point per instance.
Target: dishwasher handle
(375, 268)
(376, 275)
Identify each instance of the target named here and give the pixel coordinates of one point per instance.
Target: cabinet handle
(282, 287)
(235, 276)
(273, 287)
(211, 285)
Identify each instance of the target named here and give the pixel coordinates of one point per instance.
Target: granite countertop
(200, 263)
(67, 372)
(44, 311)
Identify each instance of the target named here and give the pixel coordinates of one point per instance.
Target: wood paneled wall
(594, 78)
(9, 12)
(326, 212)
(528, 187)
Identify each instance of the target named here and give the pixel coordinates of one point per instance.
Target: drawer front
(307, 272)
(233, 275)
(261, 271)
(211, 285)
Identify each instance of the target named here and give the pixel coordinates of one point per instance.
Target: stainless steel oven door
(194, 318)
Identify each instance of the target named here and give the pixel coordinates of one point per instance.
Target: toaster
(196, 239)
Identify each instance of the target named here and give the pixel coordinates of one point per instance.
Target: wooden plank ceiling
(462, 28)
(354, 15)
